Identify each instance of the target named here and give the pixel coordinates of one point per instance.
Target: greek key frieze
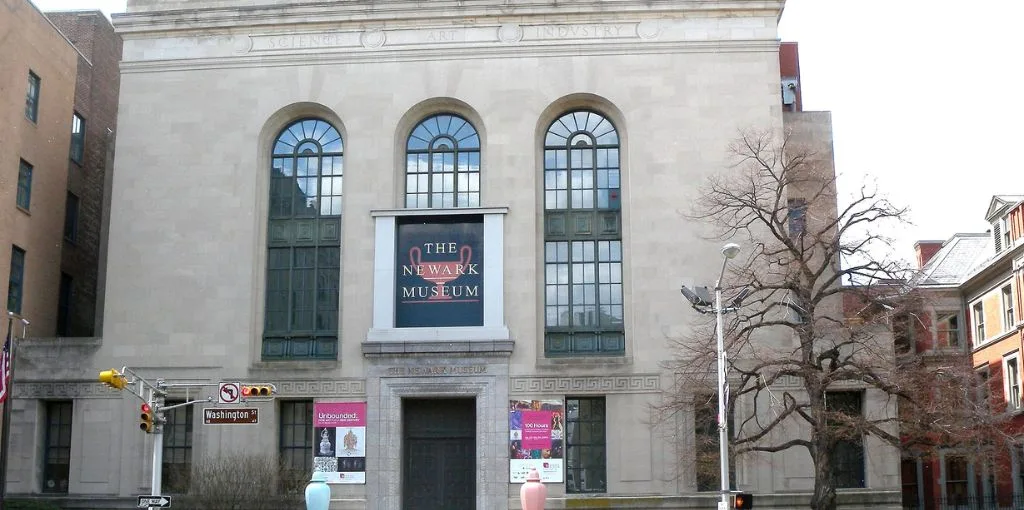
(331, 388)
(644, 383)
(63, 390)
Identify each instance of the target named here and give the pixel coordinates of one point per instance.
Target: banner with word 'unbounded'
(339, 441)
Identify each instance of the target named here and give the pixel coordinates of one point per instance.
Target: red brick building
(90, 164)
(973, 286)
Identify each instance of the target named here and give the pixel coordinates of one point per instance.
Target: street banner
(339, 441)
(536, 439)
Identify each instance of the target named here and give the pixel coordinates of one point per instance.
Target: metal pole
(8, 403)
(5, 434)
(723, 423)
(158, 445)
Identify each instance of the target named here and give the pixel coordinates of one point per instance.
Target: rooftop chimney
(926, 250)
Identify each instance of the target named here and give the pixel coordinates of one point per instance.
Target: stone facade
(207, 86)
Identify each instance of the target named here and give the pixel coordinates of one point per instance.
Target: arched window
(582, 237)
(442, 166)
(304, 243)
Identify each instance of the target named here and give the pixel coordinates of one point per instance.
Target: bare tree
(813, 341)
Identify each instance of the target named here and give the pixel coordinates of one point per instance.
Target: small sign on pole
(154, 502)
(229, 393)
(215, 416)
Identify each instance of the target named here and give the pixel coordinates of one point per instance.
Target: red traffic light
(146, 419)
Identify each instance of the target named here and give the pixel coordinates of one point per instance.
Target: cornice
(363, 13)
(445, 53)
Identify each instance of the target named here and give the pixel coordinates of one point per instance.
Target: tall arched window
(582, 237)
(304, 243)
(442, 166)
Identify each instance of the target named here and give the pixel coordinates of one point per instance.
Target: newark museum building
(448, 235)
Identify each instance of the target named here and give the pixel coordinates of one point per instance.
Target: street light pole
(701, 301)
(728, 251)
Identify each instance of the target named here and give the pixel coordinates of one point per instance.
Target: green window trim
(304, 243)
(443, 163)
(583, 252)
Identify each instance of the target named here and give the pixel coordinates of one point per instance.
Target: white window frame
(1012, 388)
(978, 322)
(1005, 226)
(1006, 297)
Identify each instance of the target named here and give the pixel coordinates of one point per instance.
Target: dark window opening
(24, 197)
(71, 217)
(708, 453)
(57, 446)
(848, 469)
(16, 280)
(295, 444)
(77, 138)
(32, 97)
(585, 445)
(177, 455)
(64, 300)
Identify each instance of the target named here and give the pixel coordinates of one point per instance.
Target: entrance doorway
(439, 454)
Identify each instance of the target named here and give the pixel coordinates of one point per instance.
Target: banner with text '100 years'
(536, 439)
(339, 441)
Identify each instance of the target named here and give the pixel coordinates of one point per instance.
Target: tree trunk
(824, 497)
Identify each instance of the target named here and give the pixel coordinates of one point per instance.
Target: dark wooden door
(439, 463)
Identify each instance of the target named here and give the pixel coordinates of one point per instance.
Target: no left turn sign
(228, 393)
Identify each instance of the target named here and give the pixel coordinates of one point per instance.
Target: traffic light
(146, 419)
(743, 501)
(114, 379)
(258, 390)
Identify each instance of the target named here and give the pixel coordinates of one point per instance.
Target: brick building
(57, 119)
(35, 117)
(973, 285)
(90, 167)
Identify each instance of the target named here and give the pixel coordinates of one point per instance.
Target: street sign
(232, 416)
(154, 502)
(229, 393)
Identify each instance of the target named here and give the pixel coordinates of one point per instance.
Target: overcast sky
(921, 96)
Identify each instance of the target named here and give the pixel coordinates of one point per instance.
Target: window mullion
(291, 291)
(430, 174)
(316, 246)
(316, 282)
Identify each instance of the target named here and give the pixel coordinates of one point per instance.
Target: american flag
(5, 368)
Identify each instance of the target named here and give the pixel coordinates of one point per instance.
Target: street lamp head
(731, 250)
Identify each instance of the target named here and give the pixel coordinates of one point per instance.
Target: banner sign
(339, 441)
(536, 439)
(439, 271)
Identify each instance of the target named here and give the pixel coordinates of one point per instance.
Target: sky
(923, 99)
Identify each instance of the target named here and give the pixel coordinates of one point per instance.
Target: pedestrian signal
(743, 501)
